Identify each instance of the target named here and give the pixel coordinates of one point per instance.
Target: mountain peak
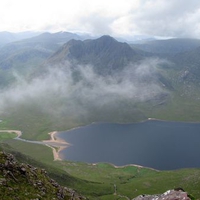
(107, 38)
(106, 41)
(105, 53)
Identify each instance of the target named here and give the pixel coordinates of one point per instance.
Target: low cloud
(64, 91)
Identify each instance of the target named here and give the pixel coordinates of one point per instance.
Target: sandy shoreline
(55, 143)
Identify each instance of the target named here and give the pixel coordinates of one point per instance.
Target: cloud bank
(167, 18)
(64, 91)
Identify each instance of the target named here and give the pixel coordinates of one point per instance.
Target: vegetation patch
(7, 136)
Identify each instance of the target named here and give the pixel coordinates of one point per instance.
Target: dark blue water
(157, 144)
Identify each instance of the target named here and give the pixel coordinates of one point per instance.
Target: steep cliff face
(23, 181)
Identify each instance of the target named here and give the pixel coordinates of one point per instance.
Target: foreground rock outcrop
(20, 181)
(177, 194)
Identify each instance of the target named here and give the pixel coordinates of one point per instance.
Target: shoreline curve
(55, 143)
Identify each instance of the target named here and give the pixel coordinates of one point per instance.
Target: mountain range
(106, 54)
(178, 58)
(8, 37)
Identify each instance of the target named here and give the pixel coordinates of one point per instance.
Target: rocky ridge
(20, 181)
(106, 54)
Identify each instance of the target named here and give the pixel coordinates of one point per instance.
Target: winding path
(119, 195)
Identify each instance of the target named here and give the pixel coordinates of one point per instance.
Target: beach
(55, 143)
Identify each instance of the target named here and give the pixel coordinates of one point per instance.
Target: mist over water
(74, 90)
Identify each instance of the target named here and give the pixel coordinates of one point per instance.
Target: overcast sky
(168, 18)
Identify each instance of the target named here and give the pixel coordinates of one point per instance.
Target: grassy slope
(5, 136)
(175, 110)
(35, 125)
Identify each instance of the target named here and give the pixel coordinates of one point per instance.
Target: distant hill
(46, 44)
(169, 46)
(59, 37)
(8, 37)
(189, 58)
(187, 64)
(24, 55)
(183, 72)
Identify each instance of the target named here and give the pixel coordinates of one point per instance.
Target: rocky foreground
(19, 181)
(177, 194)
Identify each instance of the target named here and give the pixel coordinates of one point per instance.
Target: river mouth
(156, 144)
